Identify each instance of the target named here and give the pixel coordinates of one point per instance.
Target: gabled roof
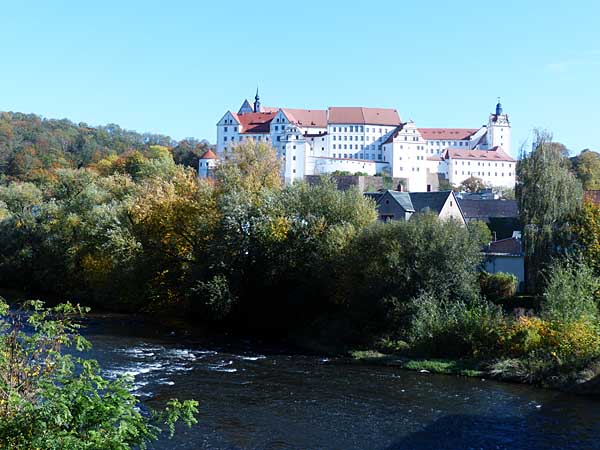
(494, 154)
(509, 246)
(430, 201)
(458, 134)
(246, 107)
(255, 122)
(209, 154)
(370, 116)
(402, 198)
(394, 134)
(268, 109)
(307, 118)
(375, 196)
(484, 209)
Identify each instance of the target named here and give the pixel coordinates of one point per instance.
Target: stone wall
(364, 183)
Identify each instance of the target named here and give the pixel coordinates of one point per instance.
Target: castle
(373, 141)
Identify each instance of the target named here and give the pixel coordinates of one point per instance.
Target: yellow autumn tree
(175, 221)
(249, 167)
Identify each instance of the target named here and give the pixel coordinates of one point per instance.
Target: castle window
(334, 146)
(225, 138)
(225, 129)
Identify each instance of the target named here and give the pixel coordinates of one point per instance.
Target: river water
(254, 396)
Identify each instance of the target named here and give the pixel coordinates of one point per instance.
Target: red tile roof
(434, 158)
(209, 154)
(259, 122)
(309, 118)
(494, 154)
(371, 116)
(447, 133)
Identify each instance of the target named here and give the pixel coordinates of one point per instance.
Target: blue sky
(175, 67)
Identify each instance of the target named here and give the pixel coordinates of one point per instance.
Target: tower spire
(498, 107)
(256, 101)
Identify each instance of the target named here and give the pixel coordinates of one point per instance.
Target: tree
(249, 167)
(473, 184)
(548, 195)
(480, 232)
(586, 227)
(50, 399)
(587, 169)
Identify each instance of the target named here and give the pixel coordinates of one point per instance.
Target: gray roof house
(501, 216)
(395, 205)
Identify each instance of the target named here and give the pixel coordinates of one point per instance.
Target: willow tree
(548, 195)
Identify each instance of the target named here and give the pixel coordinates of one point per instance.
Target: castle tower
(257, 102)
(206, 164)
(499, 129)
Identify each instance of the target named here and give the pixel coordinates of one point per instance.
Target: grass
(462, 367)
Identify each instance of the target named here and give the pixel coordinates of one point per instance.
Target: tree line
(243, 252)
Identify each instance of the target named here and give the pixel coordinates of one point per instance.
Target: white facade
(373, 141)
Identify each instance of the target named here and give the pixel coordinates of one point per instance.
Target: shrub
(53, 400)
(570, 293)
(569, 345)
(498, 286)
(459, 329)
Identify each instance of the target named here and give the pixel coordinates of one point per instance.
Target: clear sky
(175, 67)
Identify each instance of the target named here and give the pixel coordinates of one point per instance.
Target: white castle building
(372, 141)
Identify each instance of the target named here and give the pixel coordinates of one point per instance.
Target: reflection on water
(256, 397)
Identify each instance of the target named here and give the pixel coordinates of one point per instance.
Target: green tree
(249, 167)
(587, 169)
(473, 184)
(50, 399)
(548, 195)
(480, 232)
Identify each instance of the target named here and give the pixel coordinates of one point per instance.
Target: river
(254, 396)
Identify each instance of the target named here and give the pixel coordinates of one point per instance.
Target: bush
(568, 345)
(455, 329)
(498, 286)
(570, 294)
(53, 400)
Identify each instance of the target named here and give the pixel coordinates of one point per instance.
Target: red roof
(370, 116)
(259, 122)
(494, 154)
(447, 133)
(434, 158)
(315, 118)
(209, 154)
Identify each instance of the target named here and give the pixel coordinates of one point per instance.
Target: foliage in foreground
(53, 400)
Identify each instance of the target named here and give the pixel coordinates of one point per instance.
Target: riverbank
(583, 382)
